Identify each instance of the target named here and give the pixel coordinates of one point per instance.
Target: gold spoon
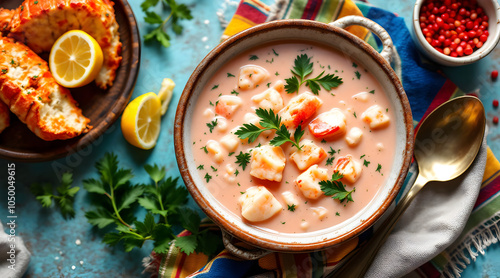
(446, 144)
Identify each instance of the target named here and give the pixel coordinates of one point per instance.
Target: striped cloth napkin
(426, 90)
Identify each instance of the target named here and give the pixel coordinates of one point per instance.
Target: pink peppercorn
(494, 74)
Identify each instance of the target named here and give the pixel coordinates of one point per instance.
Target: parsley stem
(161, 203)
(112, 197)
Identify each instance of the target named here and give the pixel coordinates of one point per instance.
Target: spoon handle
(357, 265)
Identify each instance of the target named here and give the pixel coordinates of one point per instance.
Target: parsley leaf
(270, 121)
(254, 57)
(304, 67)
(212, 125)
(329, 161)
(291, 208)
(63, 199)
(379, 167)
(336, 188)
(177, 12)
(243, 159)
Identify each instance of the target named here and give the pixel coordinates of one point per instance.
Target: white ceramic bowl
(335, 37)
(492, 10)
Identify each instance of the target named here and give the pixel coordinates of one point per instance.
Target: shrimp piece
(251, 76)
(39, 24)
(215, 150)
(330, 124)
(308, 181)
(4, 116)
(267, 163)
(375, 117)
(29, 90)
(258, 204)
(227, 105)
(271, 98)
(309, 155)
(299, 110)
(320, 212)
(349, 168)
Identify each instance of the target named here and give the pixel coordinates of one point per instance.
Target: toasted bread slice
(4, 117)
(39, 24)
(29, 90)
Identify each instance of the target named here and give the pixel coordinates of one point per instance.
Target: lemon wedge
(165, 94)
(75, 59)
(141, 121)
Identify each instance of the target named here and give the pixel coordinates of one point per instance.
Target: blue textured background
(51, 239)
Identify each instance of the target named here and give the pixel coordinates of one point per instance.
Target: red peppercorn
(495, 103)
(494, 74)
(453, 27)
(495, 120)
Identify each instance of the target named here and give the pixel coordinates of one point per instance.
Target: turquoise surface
(53, 241)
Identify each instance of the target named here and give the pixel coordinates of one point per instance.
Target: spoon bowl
(448, 140)
(446, 144)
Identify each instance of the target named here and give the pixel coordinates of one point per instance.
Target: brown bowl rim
(206, 206)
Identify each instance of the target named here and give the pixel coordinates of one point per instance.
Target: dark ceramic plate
(102, 107)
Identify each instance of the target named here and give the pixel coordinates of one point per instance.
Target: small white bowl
(492, 10)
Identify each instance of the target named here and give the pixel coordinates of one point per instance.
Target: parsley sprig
(63, 199)
(303, 67)
(270, 121)
(177, 12)
(243, 159)
(115, 200)
(336, 188)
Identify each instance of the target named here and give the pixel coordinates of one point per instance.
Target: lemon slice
(165, 94)
(141, 121)
(75, 59)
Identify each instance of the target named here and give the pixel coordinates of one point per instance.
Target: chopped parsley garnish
(355, 115)
(213, 168)
(211, 103)
(362, 156)
(233, 92)
(354, 65)
(330, 160)
(236, 174)
(372, 92)
(204, 148)
(337, 213)
(283, 223)
(12, 62)
(212, 125)
(358, 75)
(208, 177)
(291, 208)
(4, 71)
(366, 163)
(323, 141)
(270, 121)
(231, 153)
(254, 57)
(336, 188)
(270, 61)
(36, 2)
(200, 167)
(379, 167)
(35, 77)
(243, 159)
(275, 53)
(268, 84)
(304, 67)
(276, 73)
(215, 87)
(230, 75)
(40, 98)
(331, 151)
(242, 192)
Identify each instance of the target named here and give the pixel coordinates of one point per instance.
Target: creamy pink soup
(375, 151)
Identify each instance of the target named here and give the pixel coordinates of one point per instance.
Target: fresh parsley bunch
(303, 67)
(177, 12)
(270, 121)
(115, 201)
(64, 198)
(336, 188)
